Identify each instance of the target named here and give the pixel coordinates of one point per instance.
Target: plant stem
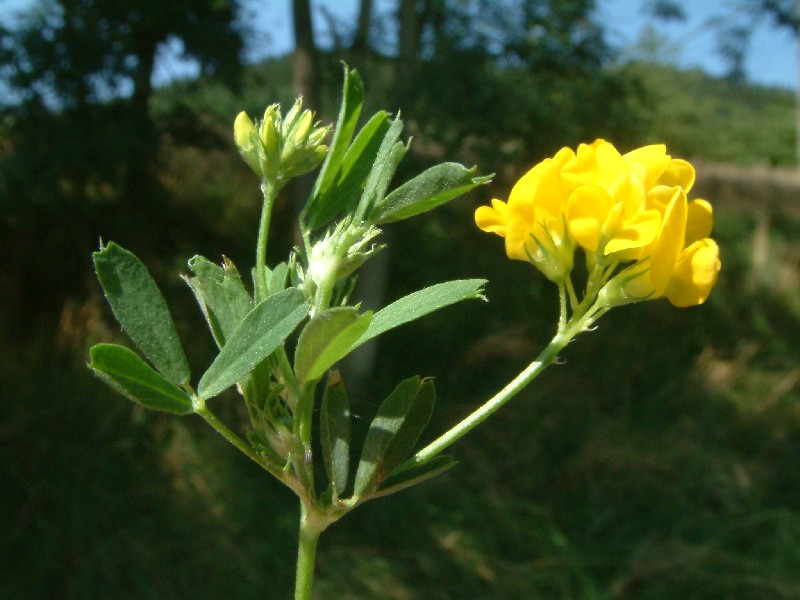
(210, 418)
(547, 357)
(270, 190)
(310, 530)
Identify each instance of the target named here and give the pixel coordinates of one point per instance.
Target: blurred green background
(661, 461)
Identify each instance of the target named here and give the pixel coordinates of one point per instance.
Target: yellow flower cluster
(630, 214)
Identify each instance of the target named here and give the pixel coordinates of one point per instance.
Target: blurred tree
(77, 132)
(533, 61)
(305, 67)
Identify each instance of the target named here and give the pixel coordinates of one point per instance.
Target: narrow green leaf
(334, 425)
(354, 171)
(427, 190)
(360, 157)
(142, 311)
(123, 370)
(258, 335)
(352, 99)
(389, 155)
(221, 296)
(407, 477)
(393, 432)
(421, 303)
(327, 338)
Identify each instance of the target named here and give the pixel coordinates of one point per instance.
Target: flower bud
(246, 139)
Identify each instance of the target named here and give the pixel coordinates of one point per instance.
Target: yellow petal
(667, 248)
(695, 274)
(699, 221)
(637, 232)
(492, 218)
(597, 164)
(679, 172)
(587, 209)
(653, 158)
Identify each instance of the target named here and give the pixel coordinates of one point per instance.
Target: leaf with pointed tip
(140, 308)
(327, 338)
(427, 190)
(258, 335)
(221, 296)
(352, 99)
(123, 369)
(420, 303)
(334, 425)
(380, 176)
(393, 433)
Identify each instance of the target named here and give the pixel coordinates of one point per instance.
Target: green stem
(310, 530)
(270, 190)
(210, 418)
(547, 357)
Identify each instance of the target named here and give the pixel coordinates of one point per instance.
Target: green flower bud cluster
(338, 255)
(279, 148)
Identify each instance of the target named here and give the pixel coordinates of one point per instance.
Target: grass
(659, 462)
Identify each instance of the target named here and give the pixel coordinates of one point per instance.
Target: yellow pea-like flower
(630, 213)
(532, 221)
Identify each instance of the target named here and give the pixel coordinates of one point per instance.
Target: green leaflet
(140, 308)
(358, 162)
(221, 296)
(427, 190)
(421, 303)
(393, 433)
(390, 154)
(316, 212)
(334, 426)
(327, 338)
(258, 335)
(126, 372)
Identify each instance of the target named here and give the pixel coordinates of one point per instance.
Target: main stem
(310, 530)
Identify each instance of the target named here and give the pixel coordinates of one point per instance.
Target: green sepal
(393, 433)
(221, 296)
(326, 339)
(140, 308)
(420, 303)
(405, 477)
(123, 369)
(426, 191)
(258, 335)
(334, 426)
(316, 211)
(389, 155)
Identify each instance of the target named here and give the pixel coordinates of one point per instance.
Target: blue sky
(772, 57)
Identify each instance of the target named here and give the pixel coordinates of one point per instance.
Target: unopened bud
(292, 116)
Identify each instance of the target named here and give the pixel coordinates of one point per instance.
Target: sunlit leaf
(393, 432)
(259, 334)
(421, 303)
(126, 372)
(327, 338)
(427, 190)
